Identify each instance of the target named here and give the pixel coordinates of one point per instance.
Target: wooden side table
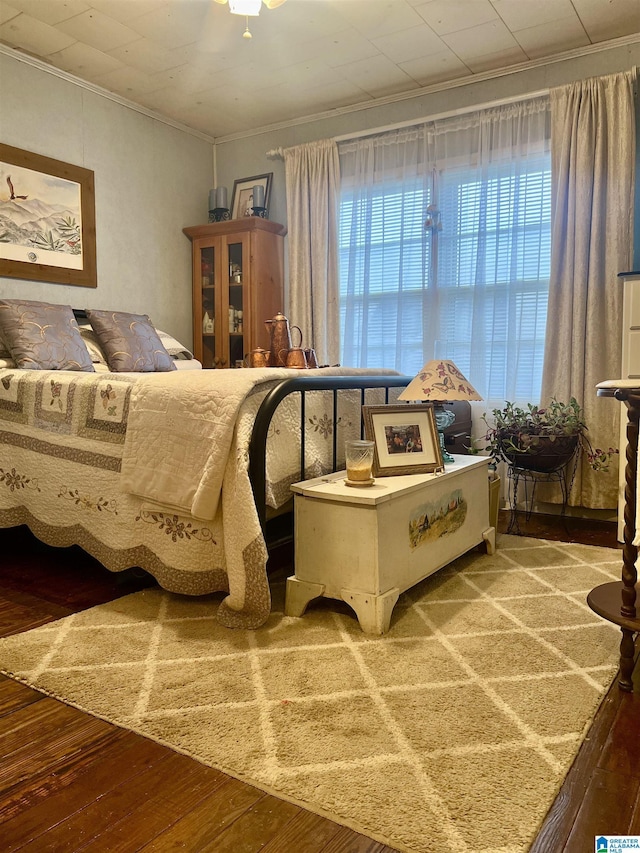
(616, 601)
(367, 545)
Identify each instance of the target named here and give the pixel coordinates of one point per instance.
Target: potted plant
(542, 439)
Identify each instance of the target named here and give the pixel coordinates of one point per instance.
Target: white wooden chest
(367, 545)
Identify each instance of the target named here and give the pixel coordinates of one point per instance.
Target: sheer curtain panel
(445, 247)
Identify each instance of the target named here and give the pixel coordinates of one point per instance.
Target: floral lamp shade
(440, 381)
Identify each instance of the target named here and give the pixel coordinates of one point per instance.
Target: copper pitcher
(295, 357)
(280, 338)
(258, 357)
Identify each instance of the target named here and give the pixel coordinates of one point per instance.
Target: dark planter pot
(547, 456)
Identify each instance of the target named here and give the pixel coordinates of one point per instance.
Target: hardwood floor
(71, 782)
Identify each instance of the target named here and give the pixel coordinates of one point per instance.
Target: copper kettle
(280, 338)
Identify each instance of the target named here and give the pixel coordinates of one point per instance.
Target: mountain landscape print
(47, 219)
(40, 218)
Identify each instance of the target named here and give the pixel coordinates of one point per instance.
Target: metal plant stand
(563, 475)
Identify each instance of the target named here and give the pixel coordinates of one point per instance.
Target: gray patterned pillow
(42, 336)
(91, 342)
(130, 342)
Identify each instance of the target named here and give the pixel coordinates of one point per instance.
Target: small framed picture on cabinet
(249, 194)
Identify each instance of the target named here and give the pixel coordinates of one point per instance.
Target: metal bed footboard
(302, 384)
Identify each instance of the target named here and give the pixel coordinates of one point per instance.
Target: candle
(258, 195)
(221, 197)
(212, 199)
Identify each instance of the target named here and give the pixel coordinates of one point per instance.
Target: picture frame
(405, 439)
(241, 199)
(61, 198)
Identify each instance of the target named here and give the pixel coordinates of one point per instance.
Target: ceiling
(187, 59)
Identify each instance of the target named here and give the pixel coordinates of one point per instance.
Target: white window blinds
(473, 285)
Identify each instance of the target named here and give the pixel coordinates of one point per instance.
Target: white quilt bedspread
(152, 471)
(179, 434)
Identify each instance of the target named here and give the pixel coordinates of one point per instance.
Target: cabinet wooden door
(238, 283)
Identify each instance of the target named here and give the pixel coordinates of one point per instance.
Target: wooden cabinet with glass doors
(238, 283)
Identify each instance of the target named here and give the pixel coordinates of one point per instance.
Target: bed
(180, 473)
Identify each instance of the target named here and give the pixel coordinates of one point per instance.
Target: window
(473, 288)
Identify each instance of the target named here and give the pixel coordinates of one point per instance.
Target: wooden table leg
(617, 601)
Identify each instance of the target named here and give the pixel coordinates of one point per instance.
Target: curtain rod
(279, 152)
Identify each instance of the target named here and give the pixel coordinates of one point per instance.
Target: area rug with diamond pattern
(453, 732)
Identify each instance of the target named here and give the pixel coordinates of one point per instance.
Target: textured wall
(150, 181)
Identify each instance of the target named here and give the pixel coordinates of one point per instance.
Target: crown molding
(27, 59)
(468, 80)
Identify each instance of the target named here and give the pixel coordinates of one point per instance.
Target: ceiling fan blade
(270, 4)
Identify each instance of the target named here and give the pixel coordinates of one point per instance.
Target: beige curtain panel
(593, 155)
(312, 174)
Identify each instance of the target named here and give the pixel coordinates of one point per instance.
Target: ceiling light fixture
(245, 7)
(249, 8)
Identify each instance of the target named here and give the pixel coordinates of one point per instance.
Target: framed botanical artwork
(244, 190)
(47, 219)
(405, 437)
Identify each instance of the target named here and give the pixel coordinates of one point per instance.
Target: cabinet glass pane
(236, 305)
(207, 270)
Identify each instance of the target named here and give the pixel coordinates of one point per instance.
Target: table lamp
(440, 381)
